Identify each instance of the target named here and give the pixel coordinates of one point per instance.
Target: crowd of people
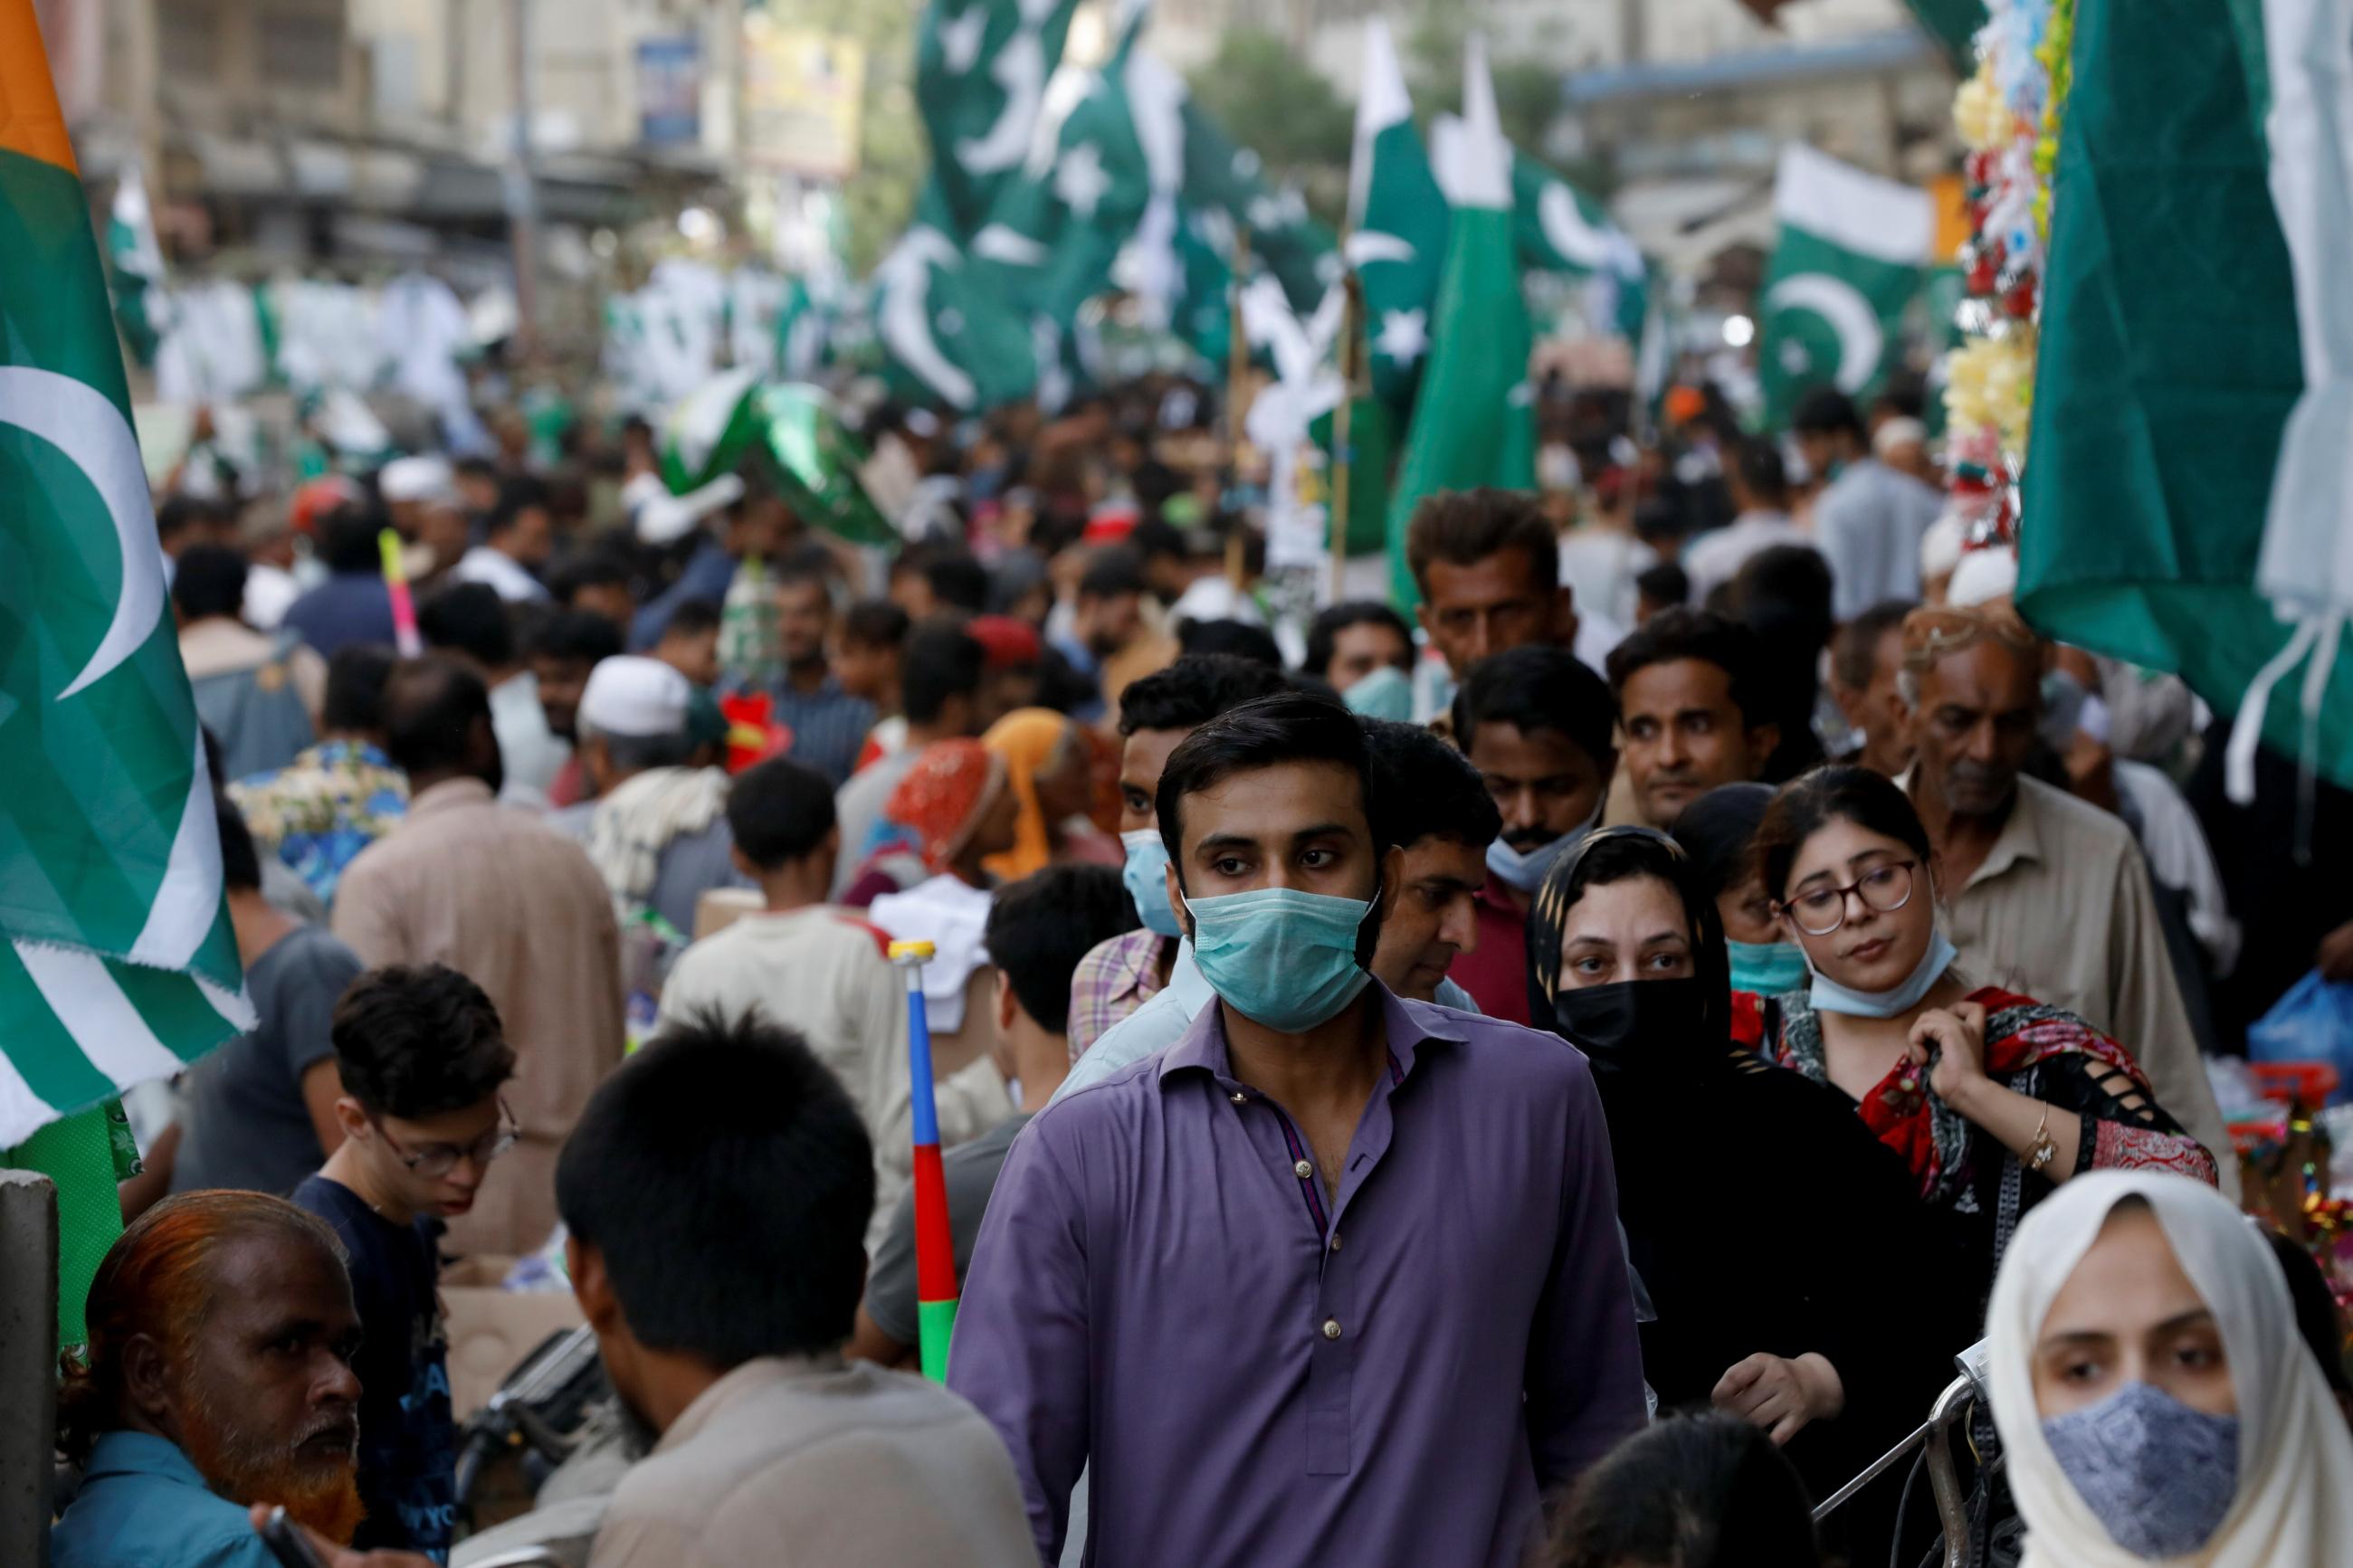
(1555, 1073)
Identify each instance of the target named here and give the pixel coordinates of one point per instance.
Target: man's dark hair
(347, 539)
(957, 578)
(430, 707)
(876, 623)
(179, 513)
(1854, 652)
(1290, 727)
(1192, 691)
(1762, 473)
(1337, 619)
(692, 618)
(1534, 688)
(419, 1039)
(1699, 1490)
(576, 634)
(1783, 595)
(1155, 539)
(474, 467)
(1826, 411)
(1463, 527)
(1703, 635)
(727, 1180)
(1427, 789)
(1041, 927)
(209, 580)
(468, 618)
(943, 660)
(1665, 583)
(597, 568)
(516, 496)
(1237, 639)
(240, 862)
(1111, 570)
(354, 699)
(778, 811)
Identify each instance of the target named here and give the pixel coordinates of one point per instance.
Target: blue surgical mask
(1147, 877)
(1386, 693)
(1279, 956)
(1766, 968)
(2159, 1476)
(1829, 997)
(1525, 871)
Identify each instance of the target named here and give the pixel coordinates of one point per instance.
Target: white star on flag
(1080, 180)
(1404, 335)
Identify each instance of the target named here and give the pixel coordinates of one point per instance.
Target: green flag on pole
(116, 961)
(709, 430)
(1852, 253)
(1396, 223)
(2169, 367)
(143, 307)
(1474, 418)
(981, 70)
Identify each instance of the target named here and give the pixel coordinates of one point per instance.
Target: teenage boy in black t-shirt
(421, 1054)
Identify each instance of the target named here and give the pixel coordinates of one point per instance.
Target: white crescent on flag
(1566, 231)
(1368, 246)
(1850, 315)
(904, 322)
(1021, 70)
(83, 423)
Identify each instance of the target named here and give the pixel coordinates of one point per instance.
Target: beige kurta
(2061, 911)
(791, 1461)
(497, 894)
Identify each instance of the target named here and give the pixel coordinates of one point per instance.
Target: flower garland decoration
(2056, 56)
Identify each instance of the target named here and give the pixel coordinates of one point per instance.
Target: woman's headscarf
(2295, 1503)
(1028, 739)
(1653, 854)
(944, 795)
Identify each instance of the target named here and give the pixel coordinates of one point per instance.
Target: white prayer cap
(1940, 546)
(1983, 577)
(635, 697)
(416, 479)
(1898, 432)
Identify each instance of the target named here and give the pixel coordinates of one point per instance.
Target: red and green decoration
(936, 1273)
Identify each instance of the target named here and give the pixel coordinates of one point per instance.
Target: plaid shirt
(1112, 982)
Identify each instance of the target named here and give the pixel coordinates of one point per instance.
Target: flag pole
(935, 1275)
(1344, 452)
(395, 586)
(1236, 389)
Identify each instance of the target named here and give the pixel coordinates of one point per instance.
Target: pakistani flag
(1474, 419)
(2172, 410)
(116, 961)
(949, 334)
(817, 460)
(981, 70)
(1300, 252)
(1852, 251)
(143, 307)
(707, 434)
(1396, 223)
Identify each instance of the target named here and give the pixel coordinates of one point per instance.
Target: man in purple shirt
(1161, 1287)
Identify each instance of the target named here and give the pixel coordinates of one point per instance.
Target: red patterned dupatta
(1904, 1114)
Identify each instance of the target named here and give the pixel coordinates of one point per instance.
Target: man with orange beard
(218, 1375)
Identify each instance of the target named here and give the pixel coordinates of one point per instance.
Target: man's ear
(1008, 1004)
(743, 863)
(147, 1382)
(1392, 879)
(1764, 740)
(350, 1116)
(591, 1286)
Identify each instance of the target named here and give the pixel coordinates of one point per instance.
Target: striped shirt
(828, 726)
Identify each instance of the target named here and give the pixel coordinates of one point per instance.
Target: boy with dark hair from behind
(422, 1056)
(1038, 930)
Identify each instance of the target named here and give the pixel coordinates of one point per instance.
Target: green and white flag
(2172, 411)
(981, 70)
(1852, 250)
(116, 961)
(142, 304)
(707, 434)
(1398, 221)
(948, 332)
(1474, 418)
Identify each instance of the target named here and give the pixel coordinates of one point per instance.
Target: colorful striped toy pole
(935, 1277)
(395, 583)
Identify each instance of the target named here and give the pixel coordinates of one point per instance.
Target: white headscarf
(2294, 1505)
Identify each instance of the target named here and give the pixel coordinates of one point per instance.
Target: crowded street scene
(1173, 784)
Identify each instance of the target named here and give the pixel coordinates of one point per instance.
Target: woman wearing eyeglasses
(1992, 1098)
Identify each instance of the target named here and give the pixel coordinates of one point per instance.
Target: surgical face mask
(1628, 1024)
(1146, 876)
(1766, 968)
(1524, 871)
(1386, 693)
(1829, 997)
(2159, 1476)
(1279, 956)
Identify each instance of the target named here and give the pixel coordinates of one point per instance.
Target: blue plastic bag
(2313, 1023)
